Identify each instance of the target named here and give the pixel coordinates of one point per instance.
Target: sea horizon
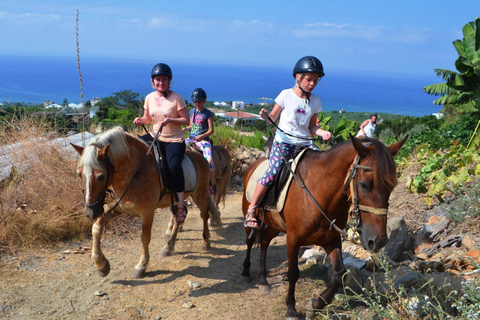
(33, 80)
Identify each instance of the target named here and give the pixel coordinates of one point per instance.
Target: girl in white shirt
(298, 108)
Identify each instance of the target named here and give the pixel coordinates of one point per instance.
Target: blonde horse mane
(116, 138)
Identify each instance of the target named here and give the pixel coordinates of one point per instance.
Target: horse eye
(100, 177)
(364, 186)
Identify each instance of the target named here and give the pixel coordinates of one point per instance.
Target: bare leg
(260, 190)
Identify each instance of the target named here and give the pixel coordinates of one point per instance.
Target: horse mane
(116, 138)
(383, 164)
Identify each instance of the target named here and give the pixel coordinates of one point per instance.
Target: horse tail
(214, 213)
(223, 192)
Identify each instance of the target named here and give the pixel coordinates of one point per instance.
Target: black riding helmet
(308, 64)
(161, 69)
(199, 94)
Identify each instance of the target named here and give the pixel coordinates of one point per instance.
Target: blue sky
(411, 37)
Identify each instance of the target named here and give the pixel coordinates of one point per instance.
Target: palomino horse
(116, 164)
(360, 174)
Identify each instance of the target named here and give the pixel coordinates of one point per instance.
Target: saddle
(274, 199)
(165, 177)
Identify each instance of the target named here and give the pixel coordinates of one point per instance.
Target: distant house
(94, 101)
(238, 105)
(232, 117)
(221, 104)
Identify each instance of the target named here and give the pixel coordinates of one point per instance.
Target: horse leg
(292, 276)
(170, 246)
(334, 253)
(266, 238)
(141, 267)
(101, 263)
(169, 230)
(246, 263)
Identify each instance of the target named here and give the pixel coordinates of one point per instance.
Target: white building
(238, 105)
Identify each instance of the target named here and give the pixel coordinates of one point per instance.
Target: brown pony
(119, 174)
(222, 161)
(360, 174)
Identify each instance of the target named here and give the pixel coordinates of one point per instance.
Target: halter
(352, 181)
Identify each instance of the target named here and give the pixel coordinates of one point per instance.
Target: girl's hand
(326, 135)
(264, 113)
(138, 121)
(166, 121)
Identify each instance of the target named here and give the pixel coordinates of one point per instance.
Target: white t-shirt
(369, 129)
(295, 117)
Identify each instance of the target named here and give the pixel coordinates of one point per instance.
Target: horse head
(96, 170)
(373, 178)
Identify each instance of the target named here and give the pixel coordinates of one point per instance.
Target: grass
(40, 200)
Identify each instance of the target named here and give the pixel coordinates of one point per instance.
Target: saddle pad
(189, 173)
(260, 171)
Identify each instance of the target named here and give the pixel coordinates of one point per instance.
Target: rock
(469, 242)
(354, 262)
(399, 241)
(194, 284)
(100, 293)
(188, 305)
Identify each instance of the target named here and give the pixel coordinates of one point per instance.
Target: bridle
(352, 181)
(101, 198)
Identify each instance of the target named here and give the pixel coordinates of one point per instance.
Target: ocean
(34, 80)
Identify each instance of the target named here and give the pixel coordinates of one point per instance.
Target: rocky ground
(62, 283)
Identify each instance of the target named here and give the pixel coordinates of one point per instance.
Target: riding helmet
(308, 64)
(161, 69)
(199, 94)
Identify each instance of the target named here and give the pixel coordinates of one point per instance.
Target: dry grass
(41, 198)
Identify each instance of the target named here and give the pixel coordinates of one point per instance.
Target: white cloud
(375, 33)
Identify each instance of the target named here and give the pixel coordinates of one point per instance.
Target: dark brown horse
(357, 169)
(116, 164)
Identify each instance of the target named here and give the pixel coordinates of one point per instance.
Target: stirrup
(247, 219)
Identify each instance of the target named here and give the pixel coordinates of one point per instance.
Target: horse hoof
(206, 246)
(105, 270)
(246, 279)
(292, 318)
(165, 253)
(138, 273)
(309, 310)
(264, 289)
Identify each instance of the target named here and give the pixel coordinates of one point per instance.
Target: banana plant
(462, 88)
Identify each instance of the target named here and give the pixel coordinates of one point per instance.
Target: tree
(461, 91)
(125, 97)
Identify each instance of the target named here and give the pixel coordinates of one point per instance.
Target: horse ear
(102, 153)
(394, 148)
(78, 148)
(361, 149)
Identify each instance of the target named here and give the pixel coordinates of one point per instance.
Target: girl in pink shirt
(166, 108)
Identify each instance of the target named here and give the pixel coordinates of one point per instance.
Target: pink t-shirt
(161, 108)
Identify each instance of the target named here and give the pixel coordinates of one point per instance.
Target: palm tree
(461, 91)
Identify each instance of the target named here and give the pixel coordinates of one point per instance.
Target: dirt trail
(50, 284)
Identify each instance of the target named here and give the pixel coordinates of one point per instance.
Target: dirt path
(51, 284)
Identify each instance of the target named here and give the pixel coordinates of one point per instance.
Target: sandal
(212, 188)
(251, 222)
(181, 214)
